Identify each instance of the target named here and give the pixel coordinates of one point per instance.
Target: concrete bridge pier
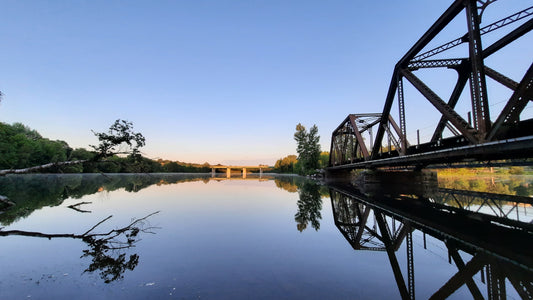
(244, 173)
(213, 172)
(228, 173)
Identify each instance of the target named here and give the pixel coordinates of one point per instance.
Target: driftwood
(41, 167)
(108, 235)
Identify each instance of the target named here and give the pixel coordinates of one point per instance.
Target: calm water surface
(214, 238)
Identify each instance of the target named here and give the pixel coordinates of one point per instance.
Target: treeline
(290, 164)
(23, 147)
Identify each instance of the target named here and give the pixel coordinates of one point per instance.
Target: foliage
(22, 147)
(286, 164)
(324, 159)
(120, 134)
(308, 148)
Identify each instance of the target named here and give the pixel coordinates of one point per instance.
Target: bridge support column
(260, 172)
(228, 173)
(244, 173)
(213, 172)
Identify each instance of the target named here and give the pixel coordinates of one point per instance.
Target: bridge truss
(376, 140)
(495, 248)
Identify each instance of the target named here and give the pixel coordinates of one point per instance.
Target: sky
(209, 81)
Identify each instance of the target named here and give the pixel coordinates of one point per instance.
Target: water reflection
(508, 185)
(32, 192)
(309, 206)
(490, 246)
(106, 250)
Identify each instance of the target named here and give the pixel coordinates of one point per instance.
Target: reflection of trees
(519, 186)
(309, 206)
(107, 249)
(32, 192)
(289, 183)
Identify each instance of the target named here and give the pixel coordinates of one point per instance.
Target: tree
(286, 164)
(324, 159)
(120, 134)
(308, 148)
(29, 149)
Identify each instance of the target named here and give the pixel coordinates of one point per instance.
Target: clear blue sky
(215, 81)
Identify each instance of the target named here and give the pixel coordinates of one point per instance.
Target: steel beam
(478, 86)
(474, 290)
(509, 38)
(401, 109)
(383, 228)
(386, 112)
(359, 138)
(516, 104)
(444, 108)
(499, 77)
(462, 79)
(437, 63)
(491, 27)
(460, 278)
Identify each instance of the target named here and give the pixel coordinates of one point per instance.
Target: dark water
(259, 238)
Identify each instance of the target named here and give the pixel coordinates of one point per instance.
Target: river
(183, 236)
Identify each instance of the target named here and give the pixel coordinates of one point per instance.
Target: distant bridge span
(243, 168)
(375, 140)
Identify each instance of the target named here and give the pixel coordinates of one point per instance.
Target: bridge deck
(498, 150)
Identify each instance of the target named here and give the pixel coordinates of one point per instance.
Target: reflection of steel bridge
(495, 205)
(377, 140)
(498, 252)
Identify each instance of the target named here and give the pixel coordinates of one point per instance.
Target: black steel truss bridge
(494, 128)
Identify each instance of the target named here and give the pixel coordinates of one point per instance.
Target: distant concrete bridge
(243, 168)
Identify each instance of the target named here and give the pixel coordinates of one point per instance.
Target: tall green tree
(308, 148)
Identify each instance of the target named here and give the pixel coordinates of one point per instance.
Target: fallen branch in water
(41, 167)
(75, 207)
(86, 235)
(105, 249)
